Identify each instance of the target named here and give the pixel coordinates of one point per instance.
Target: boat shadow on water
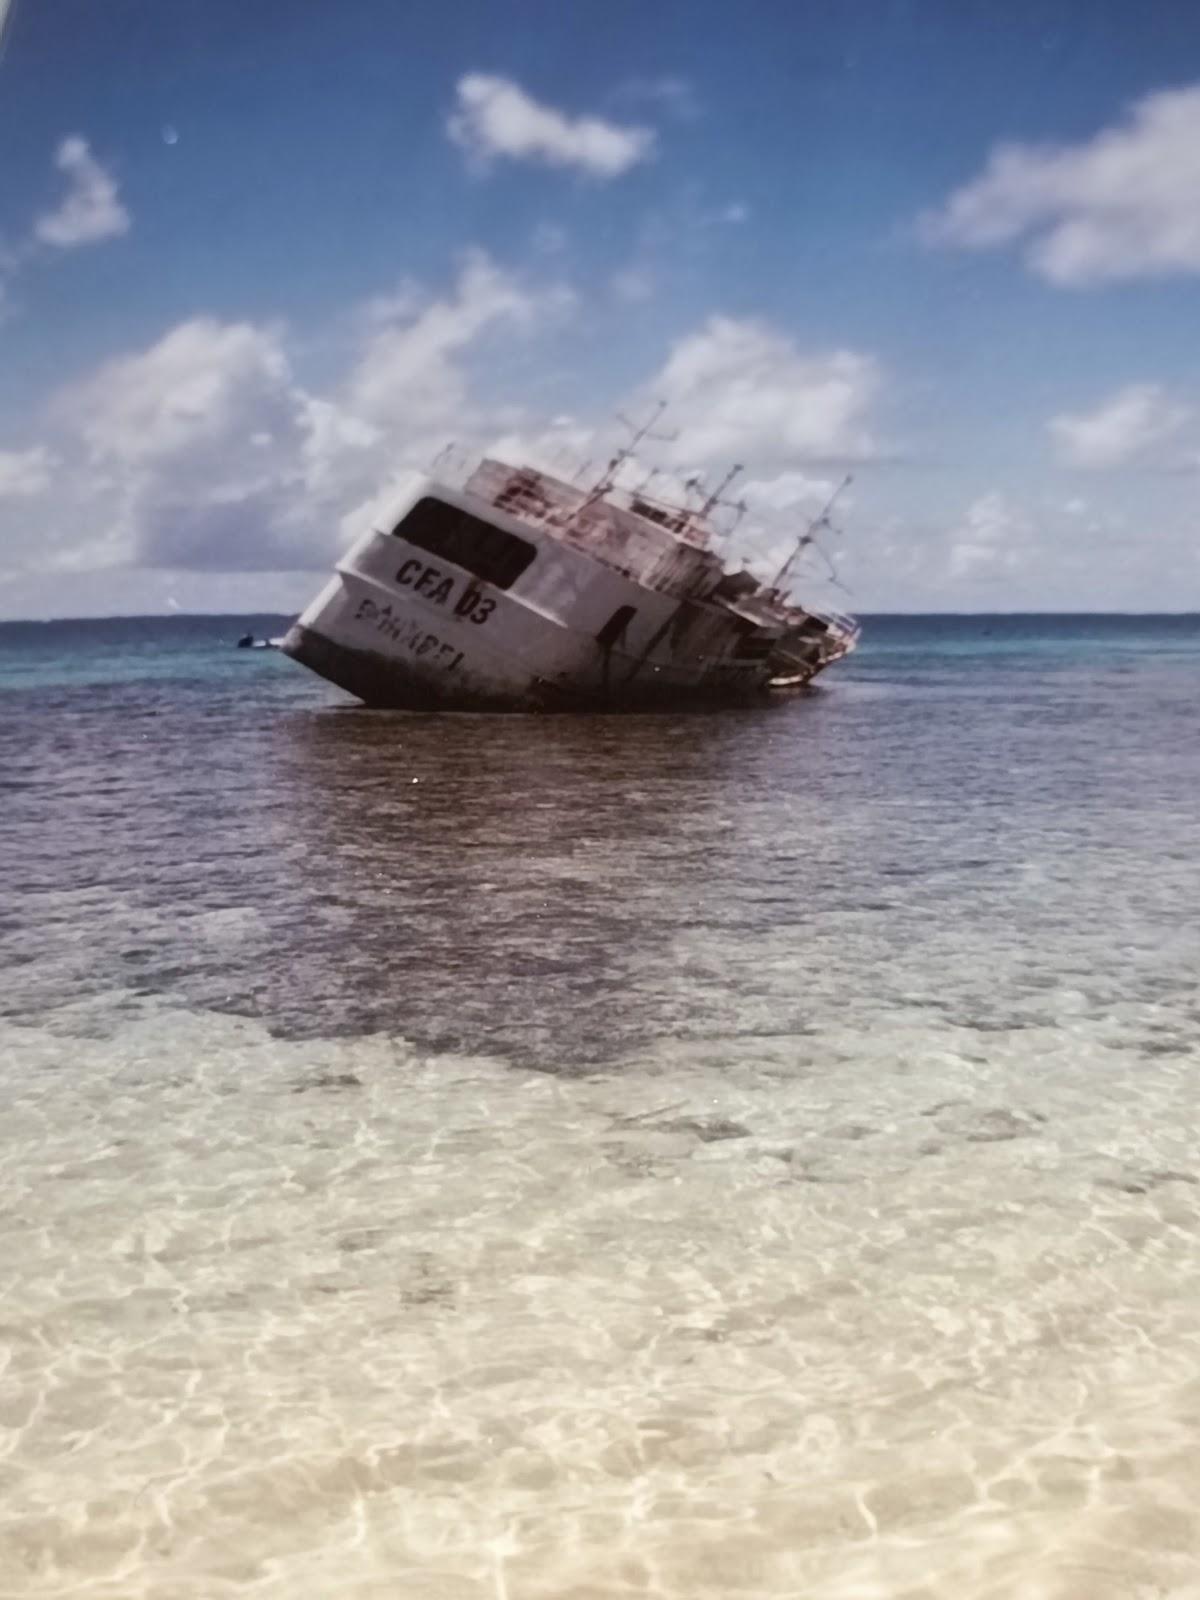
(524, 885)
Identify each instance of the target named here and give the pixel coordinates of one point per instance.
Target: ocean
(584, 1158)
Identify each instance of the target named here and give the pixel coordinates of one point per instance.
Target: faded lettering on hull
(409, 635)
(438, 588)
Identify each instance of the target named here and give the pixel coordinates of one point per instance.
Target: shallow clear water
(737, 1155)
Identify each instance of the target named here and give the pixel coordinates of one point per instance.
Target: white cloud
(1137, 426)
(337, 445)
(199, 443)
(992, 541)
(25, 473)
(412, 380)
(999, 552)
(566, 446)
(405, 300)
(495, 117)
(204, 466)
(409, 366)
(742, 391)
(1120, 206)
(194, 385)
(92, 209)
(204, 451)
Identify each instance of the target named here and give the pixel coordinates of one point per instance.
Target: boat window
(478, 547)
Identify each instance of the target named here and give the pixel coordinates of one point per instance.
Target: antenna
(714, 498)
(640, 431)
(821, 520)
(646, 429)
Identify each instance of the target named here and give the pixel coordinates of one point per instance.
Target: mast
(643, 431)
(714, 498)
(821, 520)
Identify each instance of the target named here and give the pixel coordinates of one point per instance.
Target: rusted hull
(385, 682)
(788, 673)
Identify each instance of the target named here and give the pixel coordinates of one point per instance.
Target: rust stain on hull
(385, 683)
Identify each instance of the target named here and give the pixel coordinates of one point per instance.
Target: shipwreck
(518, 591)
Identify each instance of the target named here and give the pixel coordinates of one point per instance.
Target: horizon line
(170, 616)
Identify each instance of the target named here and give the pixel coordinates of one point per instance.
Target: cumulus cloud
(25, 473)
(998, 551)
(734, 392)
(207, 459)
(199, 440)
(206, 452)
(410, 363)
(91, 210)
(1119, 206)
(196, 384)
(992, 541)
(742, 391)
(1139, 425)
(571, 448)
(494, 118)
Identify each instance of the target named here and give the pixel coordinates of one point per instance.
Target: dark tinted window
(490, 553)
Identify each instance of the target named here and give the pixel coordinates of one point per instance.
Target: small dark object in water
(246, 642)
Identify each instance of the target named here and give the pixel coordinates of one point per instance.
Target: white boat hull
(400, 625)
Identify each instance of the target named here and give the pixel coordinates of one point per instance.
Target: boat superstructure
(518, 591)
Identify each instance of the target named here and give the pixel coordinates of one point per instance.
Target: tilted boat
(520, 592)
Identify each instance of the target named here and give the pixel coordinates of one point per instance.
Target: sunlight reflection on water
(747, 1155)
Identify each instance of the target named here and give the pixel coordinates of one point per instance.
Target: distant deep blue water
(686, 1156)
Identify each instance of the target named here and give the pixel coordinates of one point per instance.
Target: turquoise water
(125, 649)
(750, 1154)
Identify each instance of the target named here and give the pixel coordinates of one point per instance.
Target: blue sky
(255, 260)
